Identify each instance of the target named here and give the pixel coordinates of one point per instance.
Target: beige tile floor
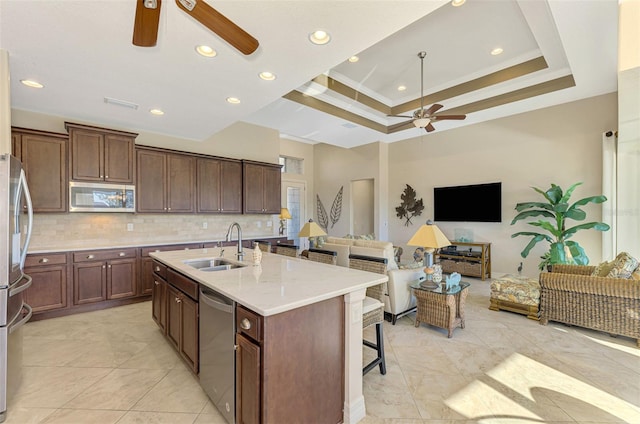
(114, 366)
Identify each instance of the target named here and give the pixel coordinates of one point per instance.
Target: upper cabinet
(261, 187)
(44, 159)
(100, 154)
(219, 186)
(165, 182)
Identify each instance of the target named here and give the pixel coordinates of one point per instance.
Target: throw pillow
(623, 266)
(603, 269)
(636, 274)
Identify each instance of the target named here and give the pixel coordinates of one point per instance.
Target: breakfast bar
(297, 326)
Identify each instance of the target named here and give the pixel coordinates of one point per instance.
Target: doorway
(294, 195)
(362, 207)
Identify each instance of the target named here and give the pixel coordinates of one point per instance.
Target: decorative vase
(257, 254)
(437, 273)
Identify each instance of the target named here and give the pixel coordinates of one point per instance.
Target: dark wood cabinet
(48, 289)
(219, 186)
(147, 269)
(165, 182)
(104, 275)
(100, 154)
(44, 159)
(267, 390)
(159, 295)
(261, 188)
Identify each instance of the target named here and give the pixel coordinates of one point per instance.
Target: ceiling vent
(122, 103)
(349, 125)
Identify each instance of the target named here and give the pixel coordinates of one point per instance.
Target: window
(291, 165)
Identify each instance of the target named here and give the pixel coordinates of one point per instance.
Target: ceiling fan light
(421, 122)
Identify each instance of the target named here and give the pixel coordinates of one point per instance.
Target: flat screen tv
(469, 203)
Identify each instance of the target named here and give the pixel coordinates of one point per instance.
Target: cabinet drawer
(182, 283)
(249, 323)
(103, 255)
(46, 259)
(144, 251)
(160, 269)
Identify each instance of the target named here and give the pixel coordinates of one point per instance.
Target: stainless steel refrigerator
(16, 220)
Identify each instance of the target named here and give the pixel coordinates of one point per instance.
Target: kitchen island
(303, 343)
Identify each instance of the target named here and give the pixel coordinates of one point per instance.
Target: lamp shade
(429, 235)
(311, 229)
(284, 213)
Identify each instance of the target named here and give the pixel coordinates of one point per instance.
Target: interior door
(294, 196)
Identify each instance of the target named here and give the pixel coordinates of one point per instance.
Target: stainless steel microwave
(97, 197)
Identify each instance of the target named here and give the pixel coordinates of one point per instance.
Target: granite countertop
(280, 283)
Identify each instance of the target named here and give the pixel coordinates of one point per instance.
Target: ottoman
(516, 293)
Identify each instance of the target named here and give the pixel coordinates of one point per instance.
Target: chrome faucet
(239, 254)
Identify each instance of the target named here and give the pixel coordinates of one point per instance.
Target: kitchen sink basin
(213, 264)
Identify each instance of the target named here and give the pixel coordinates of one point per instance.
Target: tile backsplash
(101, 230)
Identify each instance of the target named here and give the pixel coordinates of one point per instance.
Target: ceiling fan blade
(400, 116)
(429, 127)
(434, 108)
(145, 27)
(220, 24)
(443, 117)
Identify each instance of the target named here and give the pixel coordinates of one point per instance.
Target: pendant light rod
(422, 55)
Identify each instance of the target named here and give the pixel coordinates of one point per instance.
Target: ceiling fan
(145, 29)
(423, 118)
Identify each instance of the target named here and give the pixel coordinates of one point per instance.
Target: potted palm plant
(558, 210)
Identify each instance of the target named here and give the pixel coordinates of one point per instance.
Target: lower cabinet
(175, 310)
(49, 289)
(104, 275)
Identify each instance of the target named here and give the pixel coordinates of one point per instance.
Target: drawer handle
(157, 269)
(178, 300)
(156, 283)
(122, 254)
(90, 256)
(44, 260)
(245, 324)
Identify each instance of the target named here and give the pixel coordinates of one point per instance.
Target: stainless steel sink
(213, 264)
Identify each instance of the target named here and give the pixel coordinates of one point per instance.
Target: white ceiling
(82, 52)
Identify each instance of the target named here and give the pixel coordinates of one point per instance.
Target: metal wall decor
(336, 211)
(409, 207)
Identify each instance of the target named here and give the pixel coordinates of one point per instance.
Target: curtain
(609, 189)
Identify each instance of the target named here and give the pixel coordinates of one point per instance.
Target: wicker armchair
(323, 256)
(569, 294)
(287, 250)
(373, 307)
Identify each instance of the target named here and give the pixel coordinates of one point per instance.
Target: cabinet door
(146, 276)
(151, 181)
(159, 302)
(208, 185)
(45, 165)
(180, 182)
(272, 181)
(253, 188)
(231, 187)
(48, 290)
(174, 299)
(87, 155)
(89, 282)
(118, 159)
(189, 332)
(121, 278)
(248, 371)
(15, 145)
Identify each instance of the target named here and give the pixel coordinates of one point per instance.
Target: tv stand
(470, 259)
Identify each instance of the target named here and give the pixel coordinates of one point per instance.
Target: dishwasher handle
(210, 299)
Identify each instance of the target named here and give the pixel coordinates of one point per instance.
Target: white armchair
(400, 300)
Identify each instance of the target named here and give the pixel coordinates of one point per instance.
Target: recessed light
(319, 37)
(267, 76)
(402, 87)
(31, 83)
(456, 3)
(233, 100)
(206, 51)
(354, 59)
(496, 51)
(158, 112)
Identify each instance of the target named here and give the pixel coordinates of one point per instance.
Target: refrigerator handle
(27, 196)
(23, 319)
(15, 289)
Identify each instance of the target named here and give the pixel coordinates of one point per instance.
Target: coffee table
(438, 306)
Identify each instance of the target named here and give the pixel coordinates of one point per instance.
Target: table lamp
(284, 215)
(430, 237)
(311, 230)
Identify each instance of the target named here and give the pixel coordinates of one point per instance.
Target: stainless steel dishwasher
(217, 355)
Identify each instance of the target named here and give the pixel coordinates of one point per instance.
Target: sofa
(583, 296)
(398, 299)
